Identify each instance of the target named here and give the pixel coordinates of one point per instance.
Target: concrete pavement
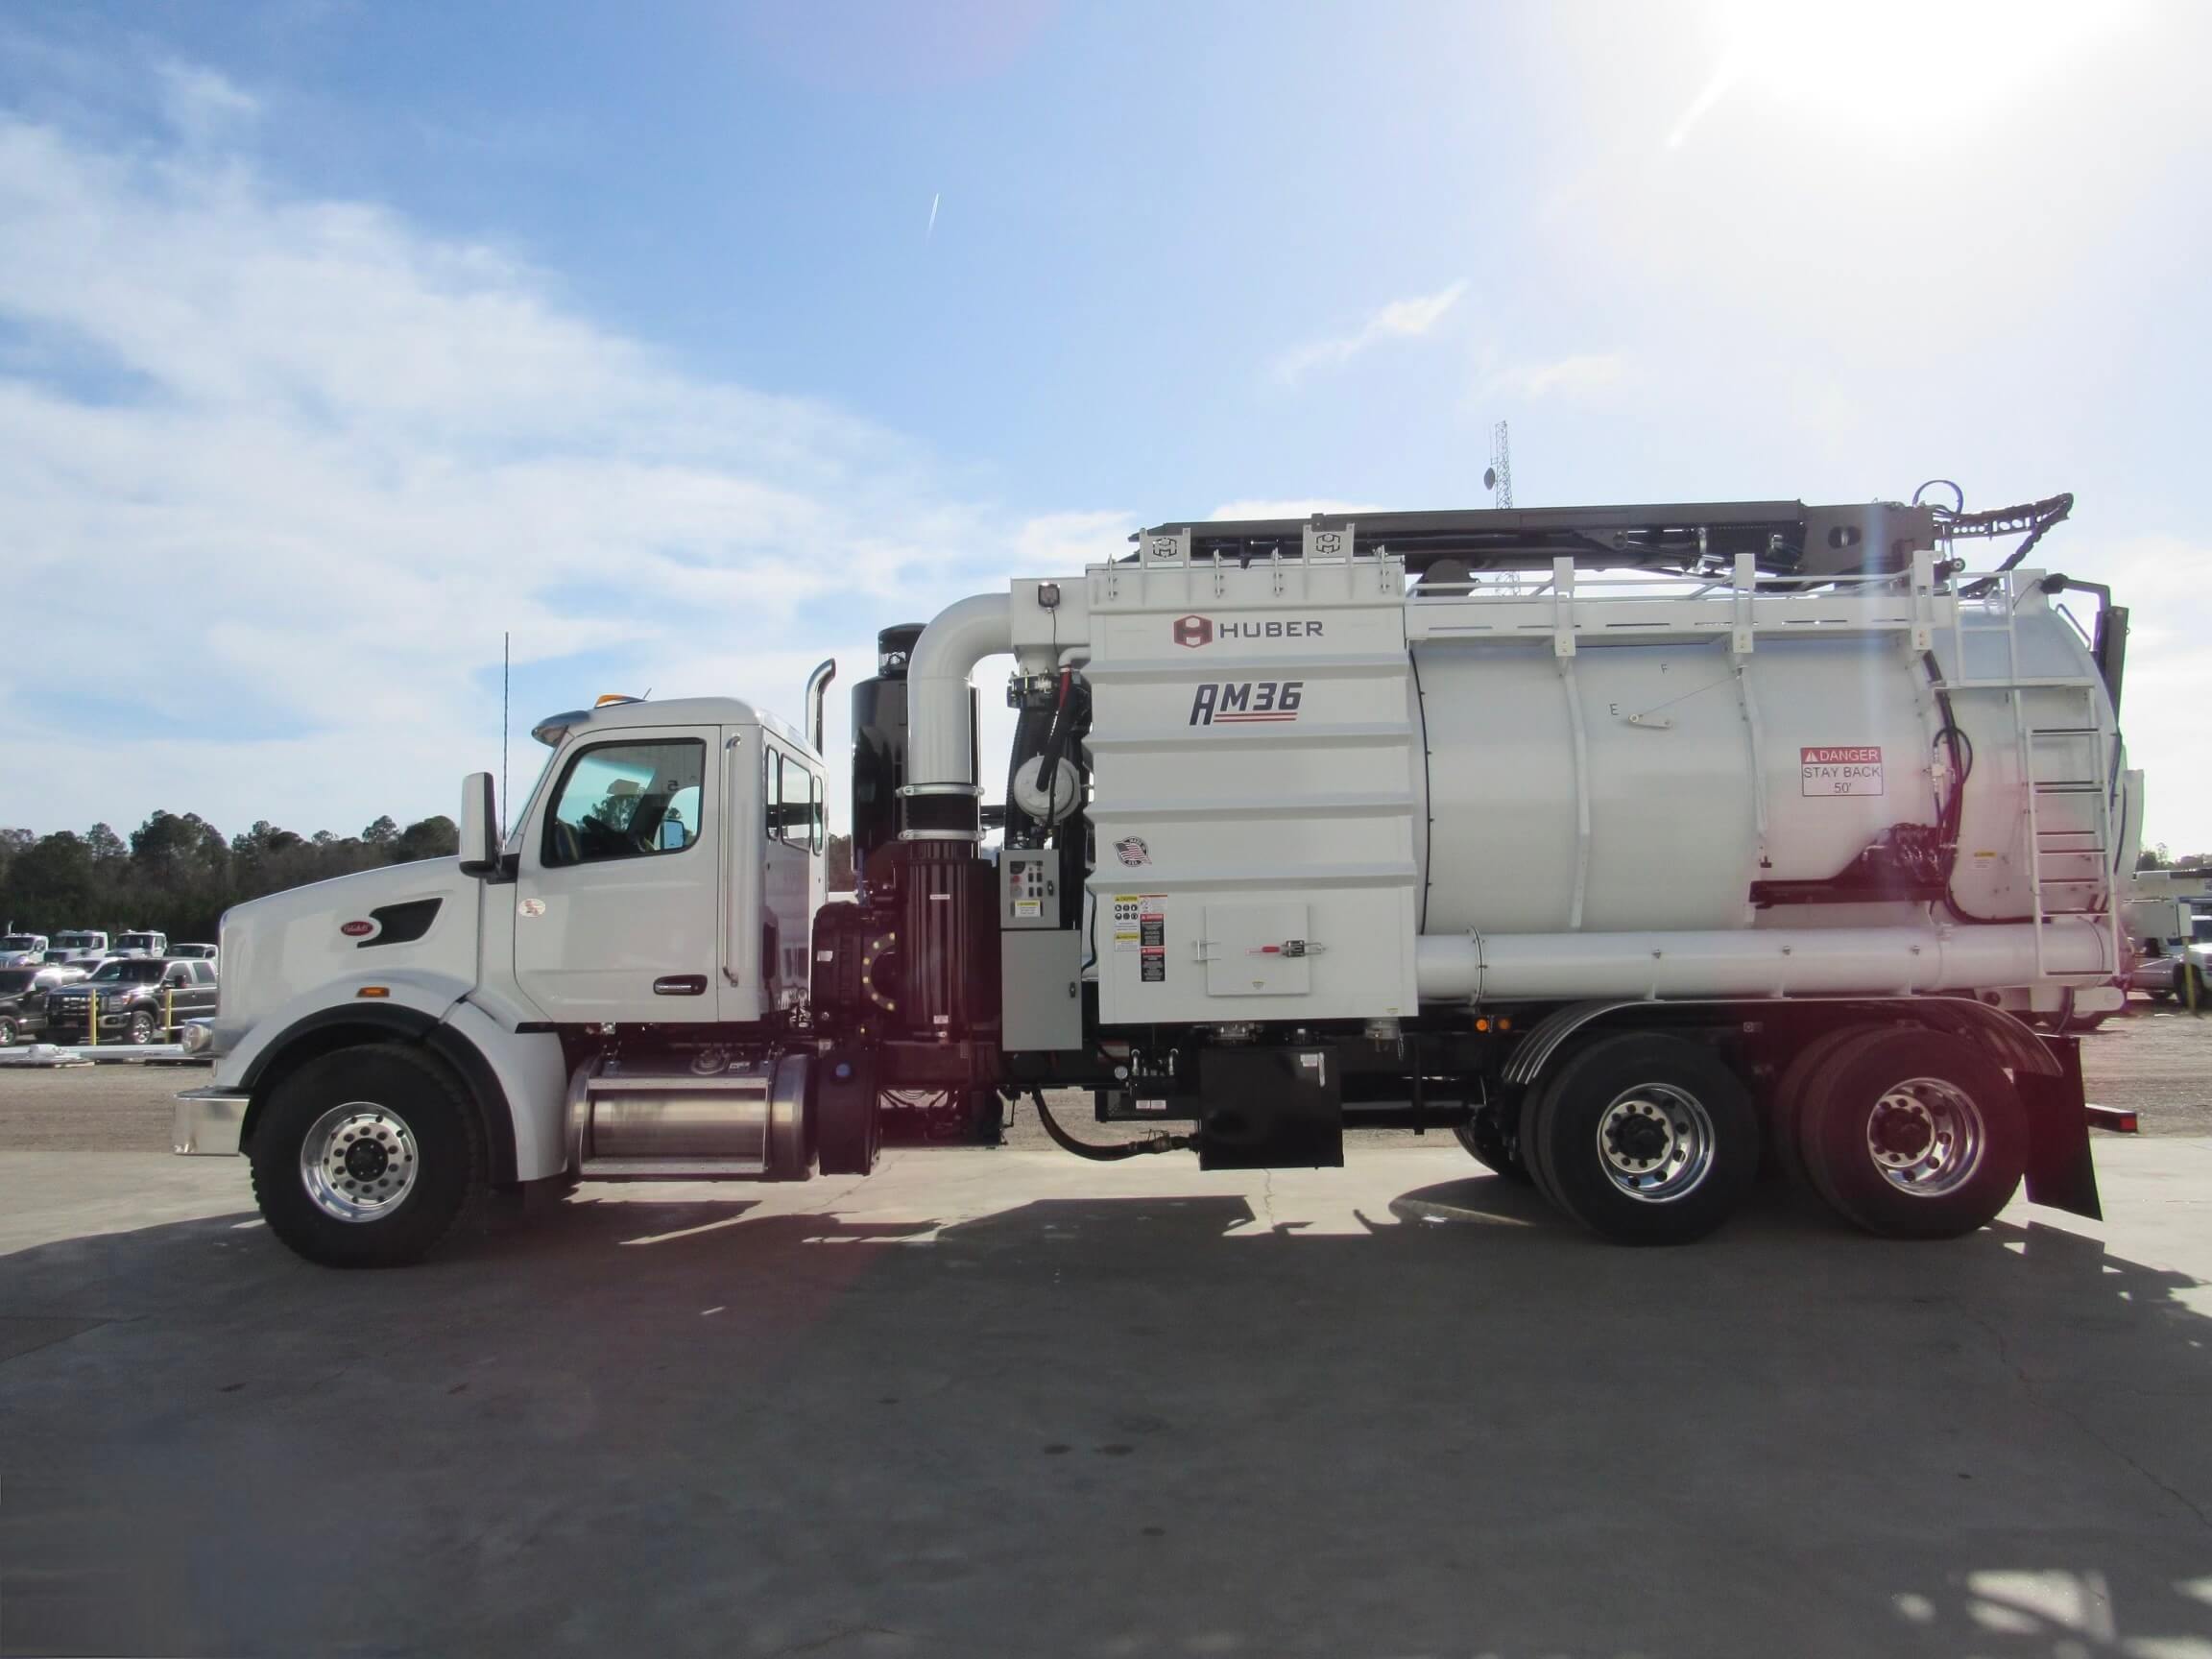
(1008, 1403)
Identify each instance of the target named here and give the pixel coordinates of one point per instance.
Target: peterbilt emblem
(358, 929)
(1193, 631)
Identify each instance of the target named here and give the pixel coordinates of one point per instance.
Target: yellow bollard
(93, 1014)
(168, 1012)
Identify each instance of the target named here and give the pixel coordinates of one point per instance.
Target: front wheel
(6, 1031)
(1644, 1138)
(141, 1029)
(367, 1157)
(1913, 1135)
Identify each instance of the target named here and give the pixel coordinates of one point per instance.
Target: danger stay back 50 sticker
(1842, 771)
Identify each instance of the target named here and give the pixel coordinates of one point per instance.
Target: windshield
(14, 979)
(136, 942)
(75, 941)
(20, 942)
(139, 973)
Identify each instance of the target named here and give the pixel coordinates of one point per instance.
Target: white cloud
(1071, 540)
(203, 105)
(1574, 377)
(278, 472)
(1398, 319)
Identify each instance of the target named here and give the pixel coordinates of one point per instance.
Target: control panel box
(1029, 888)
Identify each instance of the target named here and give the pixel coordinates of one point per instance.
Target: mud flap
(2061, 1173)
(848, 1128)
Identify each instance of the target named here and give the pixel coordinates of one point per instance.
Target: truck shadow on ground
(1120, 1426)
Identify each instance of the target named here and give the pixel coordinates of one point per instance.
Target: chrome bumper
(209, 1121)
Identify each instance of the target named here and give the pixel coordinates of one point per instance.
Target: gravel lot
(2157, 1062)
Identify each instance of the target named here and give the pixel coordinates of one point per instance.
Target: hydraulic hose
(1096, 1152)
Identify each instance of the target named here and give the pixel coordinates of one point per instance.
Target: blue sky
(335, 337)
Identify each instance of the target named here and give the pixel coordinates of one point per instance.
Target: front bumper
(209, 1121)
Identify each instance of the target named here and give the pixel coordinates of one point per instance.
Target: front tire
(1914, 1133)
(367, 1157)
(141, 1029)
(1644, 1138)
(6, 1031)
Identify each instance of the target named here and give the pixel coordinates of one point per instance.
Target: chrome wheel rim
(359, 1162)
(1926, 1136)
(1655, 1143)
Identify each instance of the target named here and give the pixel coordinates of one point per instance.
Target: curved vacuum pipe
(938, 738)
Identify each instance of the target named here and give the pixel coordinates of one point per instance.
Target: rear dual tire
(1906, 1134)
(1644, 1138)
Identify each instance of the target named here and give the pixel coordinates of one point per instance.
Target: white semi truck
(1634, 845)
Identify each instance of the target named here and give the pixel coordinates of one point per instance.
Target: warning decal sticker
(1840, 771)
(1141, 926)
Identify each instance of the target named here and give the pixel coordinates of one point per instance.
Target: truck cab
(651, 898)
(22, 950)
(141, 942)
(80, 945)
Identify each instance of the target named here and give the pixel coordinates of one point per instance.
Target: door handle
(680, 985)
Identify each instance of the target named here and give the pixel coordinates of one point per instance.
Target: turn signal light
(373, 991)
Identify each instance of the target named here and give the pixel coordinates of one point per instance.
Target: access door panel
(1258, 950)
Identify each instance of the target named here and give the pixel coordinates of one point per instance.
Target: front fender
(428, 994)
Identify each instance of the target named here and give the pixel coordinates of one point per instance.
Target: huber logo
(1204, 630)
(358, 929)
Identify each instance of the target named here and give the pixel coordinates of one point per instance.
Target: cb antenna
(1498, 476)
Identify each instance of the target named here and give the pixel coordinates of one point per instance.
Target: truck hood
(403, 919)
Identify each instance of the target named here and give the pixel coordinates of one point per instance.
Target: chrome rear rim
(359, 1162)
(1926, 1136)
(1655, 1143)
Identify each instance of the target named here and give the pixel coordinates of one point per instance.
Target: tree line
(177, 873)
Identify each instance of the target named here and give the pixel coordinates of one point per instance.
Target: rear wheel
(1644, 1138)
(1790, 1097)
(1914, 1133)
(367, 1157)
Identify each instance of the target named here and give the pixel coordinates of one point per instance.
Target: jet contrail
(933, 200)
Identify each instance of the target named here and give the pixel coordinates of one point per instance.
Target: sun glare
(1875, 68)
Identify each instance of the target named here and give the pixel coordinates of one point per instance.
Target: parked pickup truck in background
(137, 999)
(23, 991)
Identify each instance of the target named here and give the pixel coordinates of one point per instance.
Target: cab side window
(627, 799)
(789, 801)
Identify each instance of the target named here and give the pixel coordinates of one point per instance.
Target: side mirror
(479, 826)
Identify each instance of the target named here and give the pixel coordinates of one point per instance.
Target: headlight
(199, 1036)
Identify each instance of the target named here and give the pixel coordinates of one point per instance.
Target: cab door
(618, 886)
